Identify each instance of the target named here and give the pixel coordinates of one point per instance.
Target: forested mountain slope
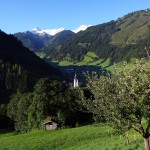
(118, 40)
(12, 50)
(33, 41)
(20, 68)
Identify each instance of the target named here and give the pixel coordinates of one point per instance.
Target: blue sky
(22, 15)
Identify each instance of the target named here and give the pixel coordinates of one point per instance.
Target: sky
(23, 15)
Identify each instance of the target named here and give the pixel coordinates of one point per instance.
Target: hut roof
(48, 119)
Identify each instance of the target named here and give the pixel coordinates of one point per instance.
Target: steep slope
(118, 40)
(56, 42)
(134, 27)
(20, 68)
(95, 39)
(12, 50)
(36, 38)
(33, 41)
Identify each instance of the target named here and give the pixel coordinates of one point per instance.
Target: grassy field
(120, 65)
(89, 59)
(41, 55)
(92, 137)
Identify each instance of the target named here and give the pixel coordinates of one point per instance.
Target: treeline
(27, 111)
(24, 108)
(20, 69)
(13, 78)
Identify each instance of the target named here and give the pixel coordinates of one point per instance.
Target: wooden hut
(49, 124)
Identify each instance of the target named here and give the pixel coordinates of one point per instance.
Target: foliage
(74, 110)
(47, 99)
(123, 99)
(18, 110)
(5, 122)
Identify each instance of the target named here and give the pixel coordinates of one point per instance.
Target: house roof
(49, 122)
(48, 119)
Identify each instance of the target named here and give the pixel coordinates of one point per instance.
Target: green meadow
(91, 137)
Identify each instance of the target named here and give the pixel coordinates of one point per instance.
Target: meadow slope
(92, 137)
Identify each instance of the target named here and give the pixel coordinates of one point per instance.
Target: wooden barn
(49, 124)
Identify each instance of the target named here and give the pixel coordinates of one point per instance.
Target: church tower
(75, 83)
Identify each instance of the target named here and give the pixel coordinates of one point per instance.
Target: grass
(105, 63)
(65, 63)
(120, 65)
(5, 133)
(41, 55)
(132, 33)
(91, 54)
(89, 59)
(92, 137)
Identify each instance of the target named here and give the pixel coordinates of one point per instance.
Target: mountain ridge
(52, 32)
(16, 53)
(118, 40)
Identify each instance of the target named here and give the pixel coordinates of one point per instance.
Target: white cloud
(81, 28)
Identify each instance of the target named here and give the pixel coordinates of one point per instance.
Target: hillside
(12, 50)
(54, 44)
(134, 27)
(117, 40)
(20, 68)
(33, 41)
(95, 137)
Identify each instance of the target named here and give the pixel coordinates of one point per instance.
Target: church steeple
(75, 83)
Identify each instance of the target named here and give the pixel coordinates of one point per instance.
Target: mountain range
(36, 39)
(53, 32)
(118, 40)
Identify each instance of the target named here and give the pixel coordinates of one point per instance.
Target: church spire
(75, 83)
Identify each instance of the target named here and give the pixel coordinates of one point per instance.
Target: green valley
(92, 87)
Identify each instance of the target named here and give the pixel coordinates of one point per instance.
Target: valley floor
(92, 137)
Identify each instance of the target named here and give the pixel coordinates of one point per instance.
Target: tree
(123, 99)
(17, 110)
(74, 109)
(38, 107)
(46, 101)
(25, 101)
